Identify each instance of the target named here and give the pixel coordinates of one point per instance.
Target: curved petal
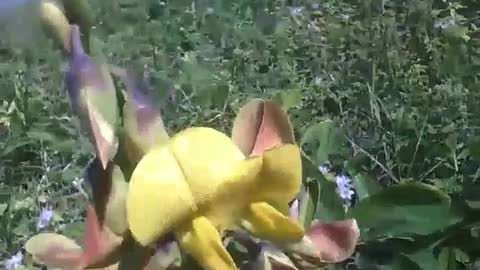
(54, 250)
(327, 243)
(143, 125)
(335, 241)
(55, 23)
(109, 190)
(261, 125)
(100, 244)
(94, 99)
(158, 196)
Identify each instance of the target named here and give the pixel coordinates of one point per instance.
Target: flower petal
(56, 24)
(100, 244)
(158, 196)
(335, 241)
(143, 123)
(94, 99)
(208, 159)
(267, 223)
(203, 241)
(54, 250)
(109, 190)
(261, 125)
(327, 243)
(281, 176)
(272, 258)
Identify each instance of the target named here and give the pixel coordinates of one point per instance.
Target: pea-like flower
(15, 261)
(344, 188)
(204, 185)
(45, 217)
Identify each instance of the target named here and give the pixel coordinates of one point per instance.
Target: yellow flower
(200, 183)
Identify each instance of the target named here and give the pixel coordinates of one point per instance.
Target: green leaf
(3, 208)
(425, 258)
(329, 205)
(365, 186)
(75, 231)
(447, 259)
(404, 209)
(325, 139)
(471, 193)
(288, 98)
(308, 204)
(473, 145)
(402, 262)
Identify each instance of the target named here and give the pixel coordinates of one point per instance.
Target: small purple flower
(45, 217)
(15, 261)
(344, 187)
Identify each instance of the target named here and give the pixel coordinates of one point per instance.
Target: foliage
(382, 90)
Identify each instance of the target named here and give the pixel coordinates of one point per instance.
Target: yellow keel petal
(158, 196)
(201, 240)
(267, 223)
(207, 157)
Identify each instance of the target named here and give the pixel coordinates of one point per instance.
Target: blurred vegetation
(398, 79)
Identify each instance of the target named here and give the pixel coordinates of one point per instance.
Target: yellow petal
(158, 196)
(201, 240)
(266, 222)
(281, 175)
(208, 158)
(234, 195)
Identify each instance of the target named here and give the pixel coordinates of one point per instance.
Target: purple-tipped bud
(93, 98)
(143, 124)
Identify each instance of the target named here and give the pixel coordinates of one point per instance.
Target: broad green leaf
(402, 262)
(471, 193)
(324, 138)
(288, 98)
(447, 259)
(329, 205)
(308, 203)
(473, 145)
(75, 231)
(365, 186)
(3, 208)
(404, 209)
(425, 258)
